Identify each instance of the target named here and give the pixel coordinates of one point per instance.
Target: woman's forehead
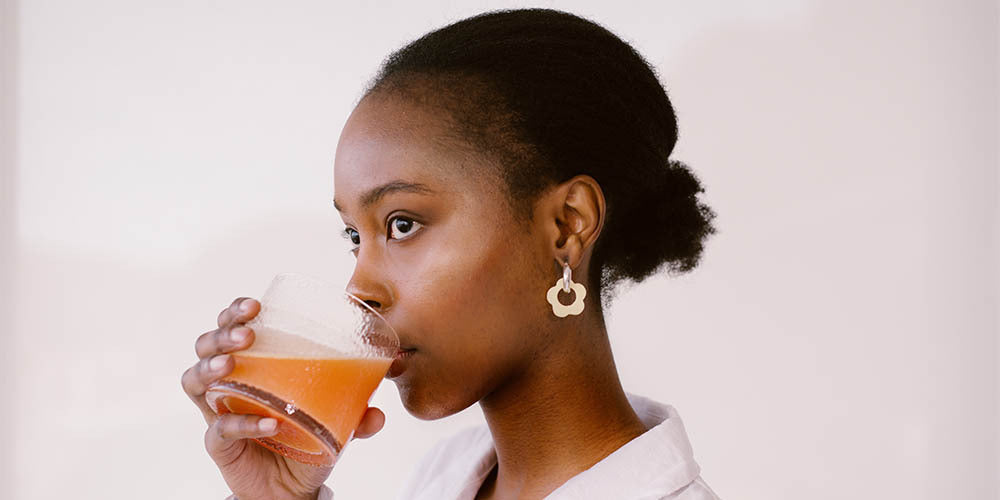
(387, 142)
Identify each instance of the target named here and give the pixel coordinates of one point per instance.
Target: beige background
(838, 341)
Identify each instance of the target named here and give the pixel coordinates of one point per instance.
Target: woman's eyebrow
(373, 195)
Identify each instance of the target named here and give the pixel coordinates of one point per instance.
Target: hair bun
(551, 95)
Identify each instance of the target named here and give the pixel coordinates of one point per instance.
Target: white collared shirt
(659, 464)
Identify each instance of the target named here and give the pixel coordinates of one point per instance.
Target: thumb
(371, 423)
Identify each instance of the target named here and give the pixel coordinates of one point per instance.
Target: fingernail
(245, 305)
(239, 334)
(218, 362)
(267, 424)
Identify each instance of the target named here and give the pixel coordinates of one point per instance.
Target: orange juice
(318, 401)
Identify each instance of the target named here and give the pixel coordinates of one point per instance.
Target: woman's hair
(549, 95)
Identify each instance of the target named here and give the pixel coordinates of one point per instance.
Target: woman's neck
(564, 413)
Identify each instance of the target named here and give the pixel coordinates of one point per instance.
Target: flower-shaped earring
(566, 284)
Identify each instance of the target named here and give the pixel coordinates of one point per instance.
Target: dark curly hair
(550, 95)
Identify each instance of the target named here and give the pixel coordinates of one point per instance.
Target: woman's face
(437, 249)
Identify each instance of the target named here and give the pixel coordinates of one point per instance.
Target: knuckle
(221, 318)
(191, 381)
(238, 335)
(213, 429)
(248, 424)
(204, 368)
(240, 302)
(221, 336)
(235, 307)
(195, 379)
(236, 426)
(201, 345)
(222, 427)
(186, 379)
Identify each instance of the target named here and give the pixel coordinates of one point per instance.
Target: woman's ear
(574, 215)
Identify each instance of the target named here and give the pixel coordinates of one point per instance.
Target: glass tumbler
(318, 355)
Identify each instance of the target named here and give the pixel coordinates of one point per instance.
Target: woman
(485, 162)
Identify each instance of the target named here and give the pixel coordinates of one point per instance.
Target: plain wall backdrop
(839, 339)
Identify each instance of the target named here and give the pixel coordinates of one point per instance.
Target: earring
(566, 283)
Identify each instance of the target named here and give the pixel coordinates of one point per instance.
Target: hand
(251, 470)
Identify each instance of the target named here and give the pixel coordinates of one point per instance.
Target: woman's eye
(353, 236)
(402, 227)
(399, 228)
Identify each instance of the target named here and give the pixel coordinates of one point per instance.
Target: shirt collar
(654, 464)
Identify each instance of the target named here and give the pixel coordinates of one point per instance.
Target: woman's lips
(398, 365)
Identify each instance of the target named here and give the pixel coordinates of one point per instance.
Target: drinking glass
(318, 355)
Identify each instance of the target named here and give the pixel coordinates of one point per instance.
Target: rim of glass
(372, 310)
(355, 298)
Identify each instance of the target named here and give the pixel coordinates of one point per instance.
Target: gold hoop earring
(566, 284)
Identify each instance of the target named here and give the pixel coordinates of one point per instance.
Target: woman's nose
(370, 287)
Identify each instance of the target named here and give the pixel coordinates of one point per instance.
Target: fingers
(197, 379)
(211, 348)
(227, 339)
(371, 423)
(231, 335)
(242, 309)
(225, 438)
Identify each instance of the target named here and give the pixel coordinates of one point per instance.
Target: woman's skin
(463, 283)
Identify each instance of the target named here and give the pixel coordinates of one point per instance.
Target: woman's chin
(419, 404)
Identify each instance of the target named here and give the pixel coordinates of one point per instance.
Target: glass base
(300, 437)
